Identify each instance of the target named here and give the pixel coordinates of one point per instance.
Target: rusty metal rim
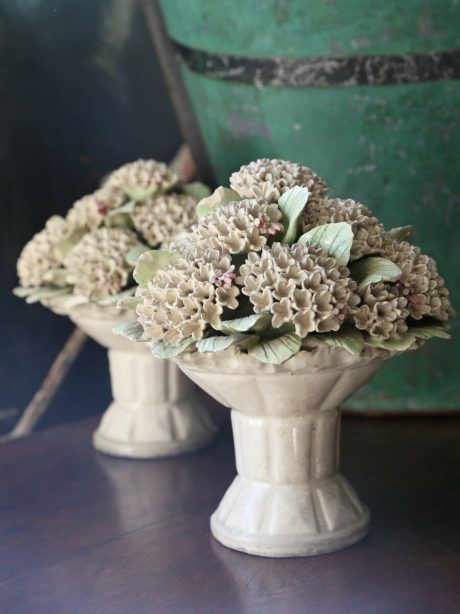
(329, 71)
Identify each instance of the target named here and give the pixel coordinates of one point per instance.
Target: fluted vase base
(154, 432)
(289, 497)
(289, 520)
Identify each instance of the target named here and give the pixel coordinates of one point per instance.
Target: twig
(183, 164)
(50, 385)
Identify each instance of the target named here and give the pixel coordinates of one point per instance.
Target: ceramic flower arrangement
(274, 266)
(280, 303)
(89, 254)
(82, 264)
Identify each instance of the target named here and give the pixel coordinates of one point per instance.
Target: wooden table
(83, 532)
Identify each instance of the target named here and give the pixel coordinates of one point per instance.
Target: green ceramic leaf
(137, 194)
(336, 239)
(150, 262)
(402, 233)
(54, 222)
(131, 330)
(126, 208)
(133, 255)
(118, 219)
(292, 203)
(276, 351)
(218, 344)
(129, 303)
(57, 278)
(221, 196)
(114, 298)
(21, 292)
(429, 330)
(163, 350)
(372, 270)
(347, 338)
(63, 248)
(255, 322)
(197, 190)
(44, 293)
(395, 344)
(69, 301)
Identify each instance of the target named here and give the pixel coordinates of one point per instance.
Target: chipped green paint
(394, 147)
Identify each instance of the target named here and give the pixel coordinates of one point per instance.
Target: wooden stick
(183, 164)
(50, 385)
(176, 88)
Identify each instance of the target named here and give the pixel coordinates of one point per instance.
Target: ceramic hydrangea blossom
(40, 260)
(368, 232)
(90, 254)
(97, 265)
(270, 179)
(273, 278)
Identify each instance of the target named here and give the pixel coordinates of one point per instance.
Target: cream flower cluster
(298, 284)
(236, 228)
(96, 266)
(87, 248)
(161, 218)
(91, 210)
(383, 312)
(367, 230)
(269, 179)
(40, 256)
(184, 298)
(420, 282)
(143, 178)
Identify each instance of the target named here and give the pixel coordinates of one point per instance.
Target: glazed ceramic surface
(154, 411)
(289, 497)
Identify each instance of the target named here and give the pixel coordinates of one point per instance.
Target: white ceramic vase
(154, 411)
(289, 498)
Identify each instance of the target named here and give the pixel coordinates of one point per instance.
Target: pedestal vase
(289, 497)
(154, 411)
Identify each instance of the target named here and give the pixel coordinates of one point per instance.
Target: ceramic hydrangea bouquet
(82, 265)
(280, 304)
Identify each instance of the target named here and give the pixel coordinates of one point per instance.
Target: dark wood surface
(83, 532)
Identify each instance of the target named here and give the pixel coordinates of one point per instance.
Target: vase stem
(289, 498)
(154, 411)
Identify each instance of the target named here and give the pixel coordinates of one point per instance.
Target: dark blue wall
(80, 93)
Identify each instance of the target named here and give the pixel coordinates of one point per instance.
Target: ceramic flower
(270, 179)
(368, 232)
(271, 271)
(97, 266)
(90, 254)
(143, 178)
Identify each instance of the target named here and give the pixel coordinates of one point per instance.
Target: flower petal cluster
(236, 228)
(420, 282)
(142, 178)
(96, 266)
(383, 311)
(162, 218)
(40, 257)
(184, 298)
(298, 284)
(90, 211)
(367, 230)
(269, 179)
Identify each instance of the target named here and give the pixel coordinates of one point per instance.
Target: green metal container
(364, 92)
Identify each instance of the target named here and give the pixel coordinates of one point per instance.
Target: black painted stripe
(350, 71)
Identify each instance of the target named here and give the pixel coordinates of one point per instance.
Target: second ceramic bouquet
(83, 264)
